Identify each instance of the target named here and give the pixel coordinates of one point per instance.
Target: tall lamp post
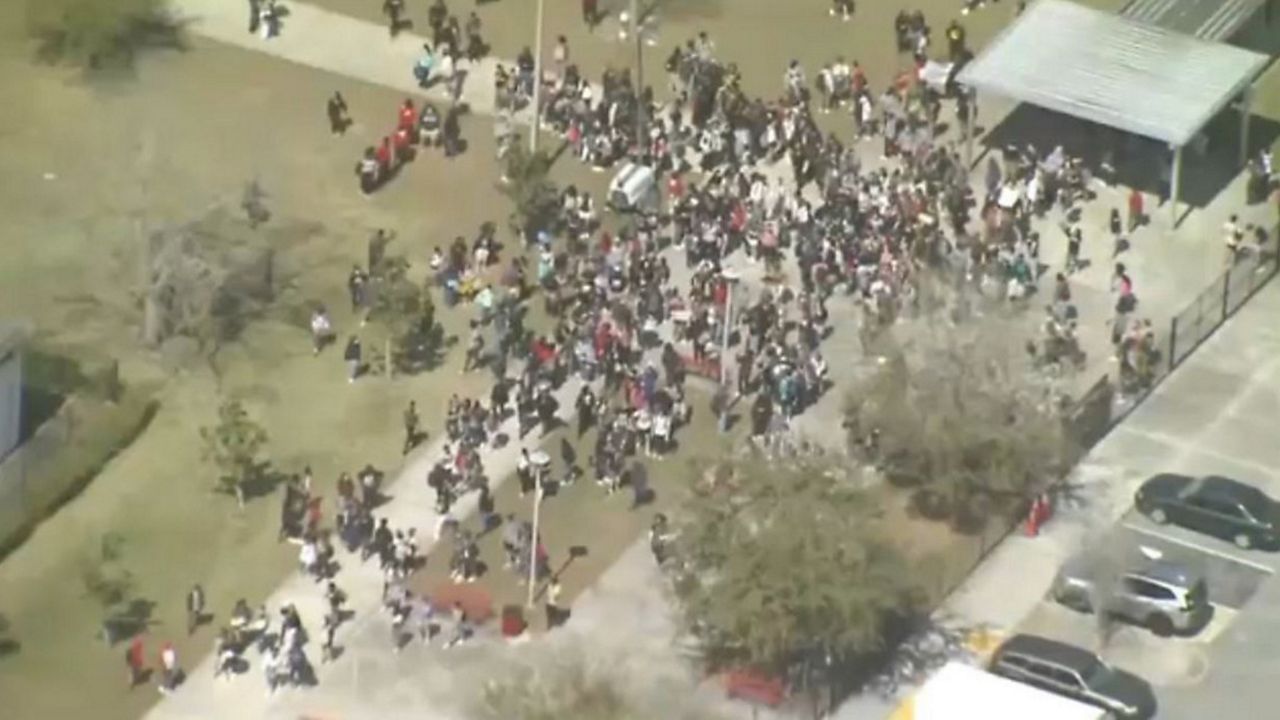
(537, 78)
(541, 465)
(636, 27)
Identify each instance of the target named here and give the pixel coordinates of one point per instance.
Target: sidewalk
(339, 44)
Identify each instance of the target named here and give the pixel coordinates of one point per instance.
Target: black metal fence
(1106, 404)
(1218, 302)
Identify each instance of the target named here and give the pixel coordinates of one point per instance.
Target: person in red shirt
(403, 142)
(383, 156)
(408, 116)
(675, 190)
(408, 120)
(135, 658)
(858, 79)
(1135, 209)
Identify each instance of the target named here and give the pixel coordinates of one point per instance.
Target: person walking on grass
(410, 427)
(255, 15)
(195, 608)
(135, 658)
(352, 355)
(336, 109)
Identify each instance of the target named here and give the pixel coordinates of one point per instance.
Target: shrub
(100, 34)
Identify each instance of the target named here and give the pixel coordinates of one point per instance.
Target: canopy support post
(1246, 113)
(1175, 183)
(968, 126)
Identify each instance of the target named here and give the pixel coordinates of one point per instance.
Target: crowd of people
(634, 313)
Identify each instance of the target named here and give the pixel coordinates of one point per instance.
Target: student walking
(410, 427)
(555, 613)
(1135, 209)
(352, 355)
(135, 659)
(171, 673)
(394, 10)
(336, 109)
(195, 608)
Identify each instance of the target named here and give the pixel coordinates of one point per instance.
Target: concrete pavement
(336, 43)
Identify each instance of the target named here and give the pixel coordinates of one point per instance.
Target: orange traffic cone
(1032, 526)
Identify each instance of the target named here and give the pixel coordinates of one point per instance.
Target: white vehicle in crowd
(634, 189)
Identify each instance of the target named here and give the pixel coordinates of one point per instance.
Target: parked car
(1213, 505)
(1164, 596)
(1075, 673)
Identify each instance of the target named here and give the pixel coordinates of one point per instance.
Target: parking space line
(1200, 548)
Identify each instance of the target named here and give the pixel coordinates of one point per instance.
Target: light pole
(636, 26)
(537, 80)
(533, 539)
(730, 279)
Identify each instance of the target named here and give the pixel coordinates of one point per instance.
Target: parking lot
(1219, 414)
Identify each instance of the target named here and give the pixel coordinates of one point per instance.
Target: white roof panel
(1112, 70)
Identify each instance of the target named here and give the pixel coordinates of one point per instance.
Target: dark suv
(1213, 505)
(1075, 673)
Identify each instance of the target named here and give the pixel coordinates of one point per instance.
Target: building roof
(1211, 20)
(1112, 70)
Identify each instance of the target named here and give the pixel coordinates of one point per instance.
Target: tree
(777, 564)
(233, 445)
(528, 185)
(563, 683)
(407, 313)
(954, 414)
(107, 581)
(205, 280)
(100, 34)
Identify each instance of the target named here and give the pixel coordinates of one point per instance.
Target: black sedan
(1213, 505)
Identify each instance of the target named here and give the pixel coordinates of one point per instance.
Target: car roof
(1046, 649)
(1169, 572)
(1227, 486)
(1083, 567)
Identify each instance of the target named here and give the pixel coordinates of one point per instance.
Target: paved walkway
(339, 44)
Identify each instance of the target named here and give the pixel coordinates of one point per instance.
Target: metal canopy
(1212, 20)
(1113, 71)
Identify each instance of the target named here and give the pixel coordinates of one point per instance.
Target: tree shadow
(128, 620)
(262, 482)
(9, 646)
(106, 44)
(914, 647)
